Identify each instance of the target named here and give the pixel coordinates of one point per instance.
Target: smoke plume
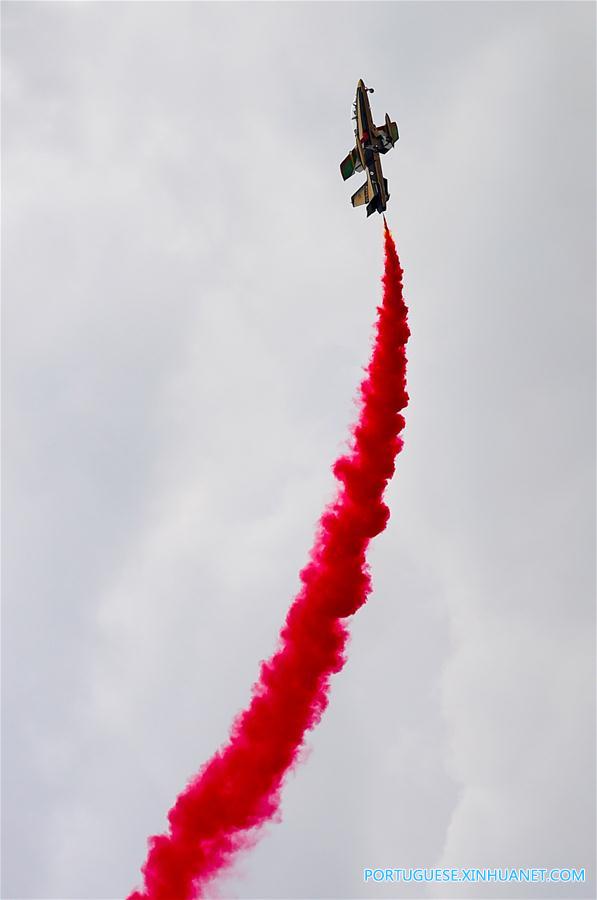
(239, 788)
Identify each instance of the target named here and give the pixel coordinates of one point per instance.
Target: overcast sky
(188, 301)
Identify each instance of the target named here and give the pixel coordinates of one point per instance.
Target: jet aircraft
(371, 141)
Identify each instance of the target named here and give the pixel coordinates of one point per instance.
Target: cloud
(164, 166)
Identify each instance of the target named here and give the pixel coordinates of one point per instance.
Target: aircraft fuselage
(368, 143)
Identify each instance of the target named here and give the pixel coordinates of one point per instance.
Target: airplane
(371, 141)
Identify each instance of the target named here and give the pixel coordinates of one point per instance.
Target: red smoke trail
(239, 788)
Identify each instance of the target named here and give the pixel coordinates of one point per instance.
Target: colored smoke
(239, 788)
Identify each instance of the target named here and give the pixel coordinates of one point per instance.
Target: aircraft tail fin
(361, 196)
(378, 204)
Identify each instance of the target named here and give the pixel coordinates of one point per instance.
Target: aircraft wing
(350, 164)
(390, 134)
(391, 129)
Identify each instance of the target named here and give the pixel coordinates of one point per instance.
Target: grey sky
(188, 300)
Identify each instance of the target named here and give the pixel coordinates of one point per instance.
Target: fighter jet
(371, 141)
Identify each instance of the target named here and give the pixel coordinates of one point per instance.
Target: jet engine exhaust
(238, 790)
